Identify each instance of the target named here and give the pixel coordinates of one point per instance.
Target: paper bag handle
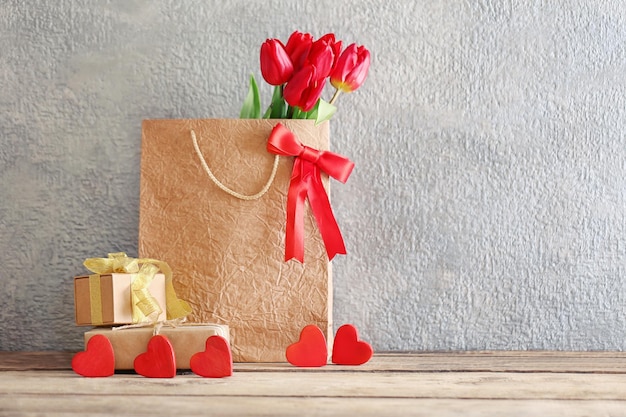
(224, 188)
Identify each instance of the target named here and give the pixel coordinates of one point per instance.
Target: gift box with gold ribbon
(124, 290)
(106, 299)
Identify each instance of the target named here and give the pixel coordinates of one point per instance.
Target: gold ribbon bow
(144, 306)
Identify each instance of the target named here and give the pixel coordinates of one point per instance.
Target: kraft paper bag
(228, 253)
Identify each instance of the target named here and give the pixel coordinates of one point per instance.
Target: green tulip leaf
(322, 111)
(312, 114)
(298, 113)
(267, 113)
(251, 108)
(278, 108)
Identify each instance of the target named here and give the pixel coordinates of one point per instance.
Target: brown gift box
(116, 299)
(228, 253)
(185, 339)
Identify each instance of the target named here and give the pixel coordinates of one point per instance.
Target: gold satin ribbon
(144, 306)
(95, 295)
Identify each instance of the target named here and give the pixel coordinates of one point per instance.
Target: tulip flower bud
(297, 47)
(276, 66)
(351, 69)
(304, 89)
(329, 38)
(322, 57)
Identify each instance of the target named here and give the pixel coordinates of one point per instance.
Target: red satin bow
(306, 181)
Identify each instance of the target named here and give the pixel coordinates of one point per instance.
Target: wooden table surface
(423, 384)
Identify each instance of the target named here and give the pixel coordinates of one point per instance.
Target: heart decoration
(348, 349)
(216, 361)
(158, 361)
(310, 350)
(97, 360)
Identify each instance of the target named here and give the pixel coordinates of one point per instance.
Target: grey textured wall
(487, 209)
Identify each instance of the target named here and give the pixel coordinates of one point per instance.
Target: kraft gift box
(186, 340)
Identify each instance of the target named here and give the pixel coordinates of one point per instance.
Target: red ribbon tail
(326, 222)
(294, 233)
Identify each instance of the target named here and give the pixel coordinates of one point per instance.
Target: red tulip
(329, 38)
(307, 83)
(298, 46)
(304, 88)
(322, 57)
(351, 69)
(276, 66)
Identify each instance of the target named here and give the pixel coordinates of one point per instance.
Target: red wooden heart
(158, 361)
(216, 361)
(348, 349)
(310, 350)
(97, 360)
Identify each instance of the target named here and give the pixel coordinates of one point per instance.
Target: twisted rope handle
(224, 188)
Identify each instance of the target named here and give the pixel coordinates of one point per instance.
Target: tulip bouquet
(299, 71)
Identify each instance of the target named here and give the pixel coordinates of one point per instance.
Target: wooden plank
(460, 385)
(87, 405)
(604, 362)
(13, 361)
(577, 362)
(429, 383)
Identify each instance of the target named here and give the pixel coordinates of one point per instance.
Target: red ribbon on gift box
(306, 181)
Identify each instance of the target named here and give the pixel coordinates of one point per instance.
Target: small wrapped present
(108, 301)
(186, 339)
(125, 290)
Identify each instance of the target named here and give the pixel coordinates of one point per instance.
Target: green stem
(332, 100)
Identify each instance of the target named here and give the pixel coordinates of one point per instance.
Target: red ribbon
(306, 181)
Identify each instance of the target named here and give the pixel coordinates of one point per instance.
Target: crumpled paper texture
(227, 255)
